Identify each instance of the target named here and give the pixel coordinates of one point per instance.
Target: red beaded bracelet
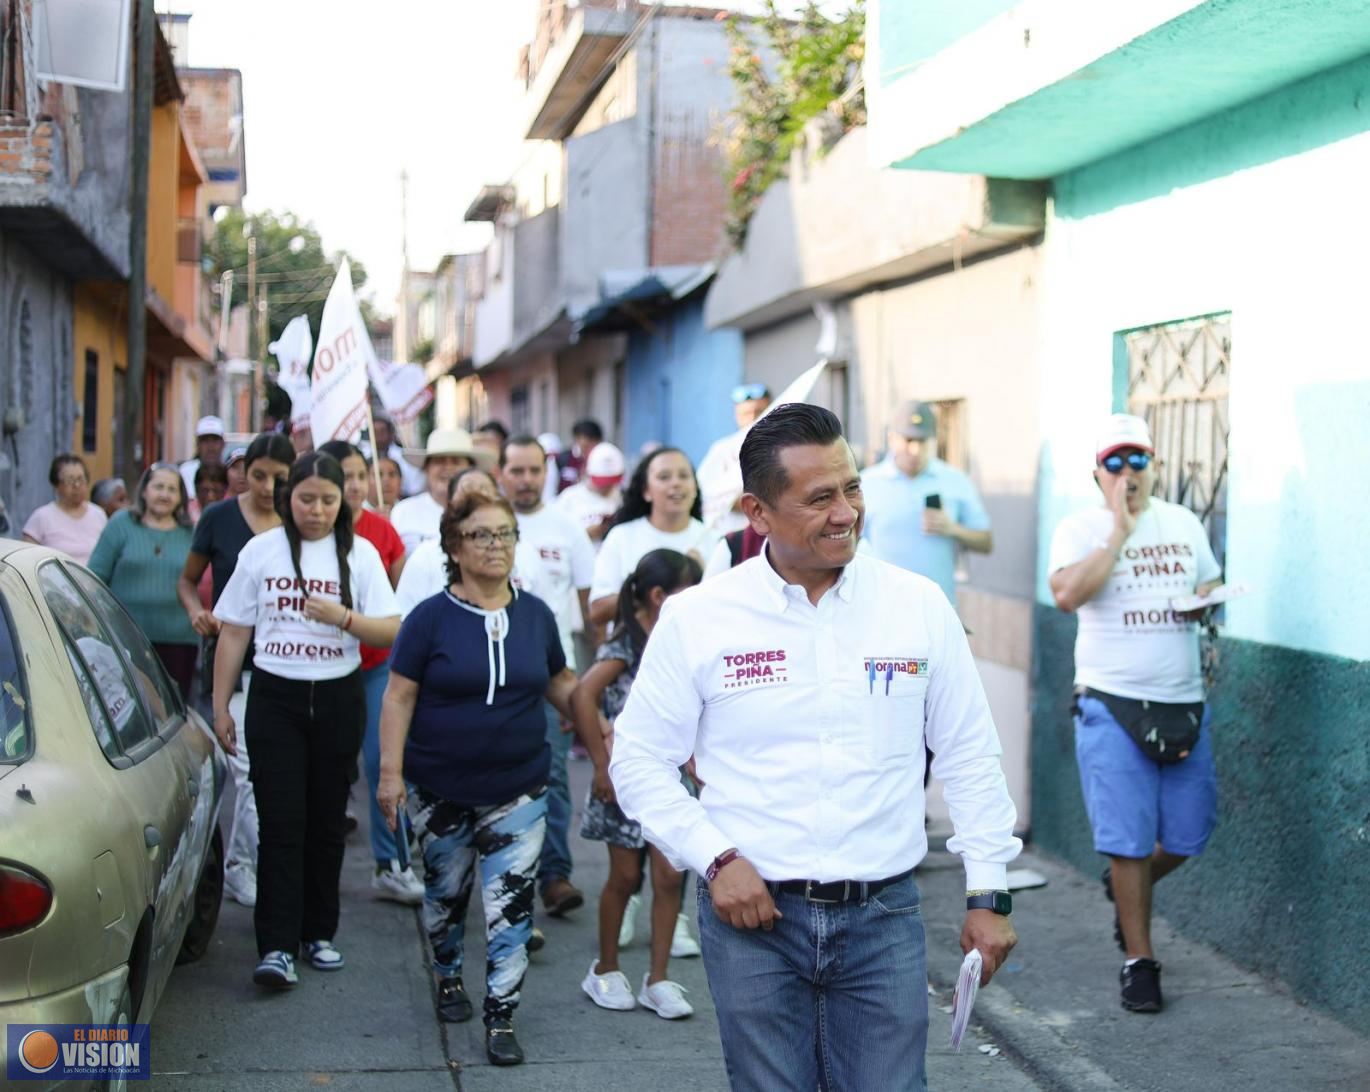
(725, 858)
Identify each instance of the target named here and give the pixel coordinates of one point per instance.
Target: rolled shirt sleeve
(966, 759)
(653, 737)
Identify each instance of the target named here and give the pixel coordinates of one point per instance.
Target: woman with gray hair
(140, 554)
(110, 494)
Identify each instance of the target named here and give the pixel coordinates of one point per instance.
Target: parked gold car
(111, 864)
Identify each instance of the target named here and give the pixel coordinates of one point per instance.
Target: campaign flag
(342, 360)
(292, 351)
(403, 389)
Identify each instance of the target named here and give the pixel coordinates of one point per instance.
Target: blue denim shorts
(1134, 802)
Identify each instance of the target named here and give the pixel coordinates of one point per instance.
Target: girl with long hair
(220, 535)
(305, 594)
(596, 701)
(661, 511)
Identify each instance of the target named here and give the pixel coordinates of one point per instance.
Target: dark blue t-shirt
(220, 536)
(459, 748)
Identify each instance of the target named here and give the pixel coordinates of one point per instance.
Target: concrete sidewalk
(371, 1025)
(1054, 1007)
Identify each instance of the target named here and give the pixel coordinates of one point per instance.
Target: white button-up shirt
(808, 724)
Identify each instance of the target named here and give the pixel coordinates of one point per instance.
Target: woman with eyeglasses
(140, 554)
(661, 511)
(464, 744)
(305, 594)
(69, 523)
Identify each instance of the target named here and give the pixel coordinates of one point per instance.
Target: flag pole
(375, 459)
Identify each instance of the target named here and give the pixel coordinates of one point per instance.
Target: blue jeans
(835, 997)
(555, 862)
(382, 838)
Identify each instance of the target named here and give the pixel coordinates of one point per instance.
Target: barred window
(1177, 380)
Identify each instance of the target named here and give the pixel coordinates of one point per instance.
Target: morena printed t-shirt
(629, 542)
(1130, 642)
(265, 592)
(474, 739)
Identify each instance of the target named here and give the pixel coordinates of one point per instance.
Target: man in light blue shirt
(917, 507)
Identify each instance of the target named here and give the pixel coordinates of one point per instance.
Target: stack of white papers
(1221, 594)
(967, 986)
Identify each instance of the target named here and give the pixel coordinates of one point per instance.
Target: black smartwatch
(1001, 902)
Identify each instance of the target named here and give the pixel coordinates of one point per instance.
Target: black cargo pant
(302, 742)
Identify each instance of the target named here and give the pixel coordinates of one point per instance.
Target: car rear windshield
(16, 733)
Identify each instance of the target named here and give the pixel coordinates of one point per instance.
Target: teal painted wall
(1281, 888)
(1259, 211)
(909, 33)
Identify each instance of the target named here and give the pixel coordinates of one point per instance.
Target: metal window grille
(1178, 375)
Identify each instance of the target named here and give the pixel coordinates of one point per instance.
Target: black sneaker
(537, 941)
(1141, 986)
(1107, 877)
(454, 1007)
(501, 1047)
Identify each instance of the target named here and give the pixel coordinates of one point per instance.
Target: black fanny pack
(1165, 731)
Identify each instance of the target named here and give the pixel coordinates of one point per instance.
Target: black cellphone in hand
(933, 500)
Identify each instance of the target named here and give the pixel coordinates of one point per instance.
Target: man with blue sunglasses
(1141, 725)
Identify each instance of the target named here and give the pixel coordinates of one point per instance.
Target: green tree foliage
(815, 68)
(292, 266)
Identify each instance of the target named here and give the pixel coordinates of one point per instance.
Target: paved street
(372, 1025)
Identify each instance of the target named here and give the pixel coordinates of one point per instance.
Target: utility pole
(131, 458)
(254, 416)
(263, 339)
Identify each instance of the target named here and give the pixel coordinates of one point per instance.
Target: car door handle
(152, 836)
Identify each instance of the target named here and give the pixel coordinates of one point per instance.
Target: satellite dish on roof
(83, 42)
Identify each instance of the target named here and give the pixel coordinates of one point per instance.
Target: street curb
(1032, 1044)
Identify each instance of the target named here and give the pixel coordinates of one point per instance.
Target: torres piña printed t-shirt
(1130, 642)
(264, 592)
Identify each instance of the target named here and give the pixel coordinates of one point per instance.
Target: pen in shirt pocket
(870, 674)
(889, 674)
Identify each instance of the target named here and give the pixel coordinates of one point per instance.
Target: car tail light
(24, 899)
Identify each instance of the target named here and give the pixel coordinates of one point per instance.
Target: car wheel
(123, 1015)
(209, 893)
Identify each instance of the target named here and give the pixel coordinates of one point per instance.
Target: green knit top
(141, 565)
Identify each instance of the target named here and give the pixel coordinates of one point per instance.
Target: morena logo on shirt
(897, 665)
(754, 668)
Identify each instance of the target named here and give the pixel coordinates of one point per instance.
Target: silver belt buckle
(810, 885)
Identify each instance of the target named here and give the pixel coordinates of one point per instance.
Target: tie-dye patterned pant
(506, 838)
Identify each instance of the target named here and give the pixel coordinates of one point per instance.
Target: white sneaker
(629, 926)
(322, 955)
(666, 999)
(683, 946)
(608, 991)
(397, 885)
(240, 884)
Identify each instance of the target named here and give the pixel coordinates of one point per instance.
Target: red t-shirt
(377, 531)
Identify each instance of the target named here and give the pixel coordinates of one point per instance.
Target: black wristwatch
(1001, 902)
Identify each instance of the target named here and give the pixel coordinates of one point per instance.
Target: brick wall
(688, 203)
(26, 150)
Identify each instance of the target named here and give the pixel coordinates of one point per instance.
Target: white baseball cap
(1122, 430)
(209, 426)
(605, 462)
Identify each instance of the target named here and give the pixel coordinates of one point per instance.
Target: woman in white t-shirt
(313, 591)
(661, 511)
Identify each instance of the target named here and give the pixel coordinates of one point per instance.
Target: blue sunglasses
(748, 392)
(1138, 460)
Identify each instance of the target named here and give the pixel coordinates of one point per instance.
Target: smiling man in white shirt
(805, 682)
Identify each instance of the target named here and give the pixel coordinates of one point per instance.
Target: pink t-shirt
(75, 536)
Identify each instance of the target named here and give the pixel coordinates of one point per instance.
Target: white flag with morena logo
(342, 362)
(403, 389)
(292, 351)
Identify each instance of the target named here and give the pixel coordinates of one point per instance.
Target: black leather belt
(837, 890)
